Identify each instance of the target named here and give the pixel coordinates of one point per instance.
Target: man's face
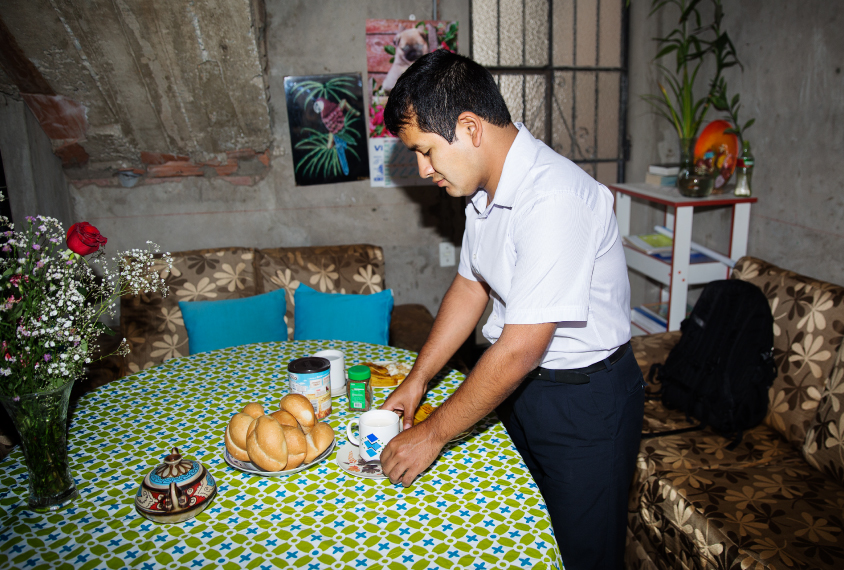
(451, 166)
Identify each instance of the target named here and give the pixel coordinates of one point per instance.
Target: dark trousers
(580, 442)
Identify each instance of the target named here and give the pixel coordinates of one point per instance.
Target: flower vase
(693, 181)
(41, 421)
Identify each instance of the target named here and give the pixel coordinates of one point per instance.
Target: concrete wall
(317, 36)
(792, 83)
(34, 177)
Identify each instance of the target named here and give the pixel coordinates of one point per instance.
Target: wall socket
(447, 257)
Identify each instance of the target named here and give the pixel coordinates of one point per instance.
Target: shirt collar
(520, 157)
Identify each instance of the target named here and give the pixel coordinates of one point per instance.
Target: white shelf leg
(739, 231)
(622, 213)
(680, 267)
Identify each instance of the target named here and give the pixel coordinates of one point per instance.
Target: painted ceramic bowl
(175, 491)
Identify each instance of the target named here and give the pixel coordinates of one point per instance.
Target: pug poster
(327, 131)
(391, 47)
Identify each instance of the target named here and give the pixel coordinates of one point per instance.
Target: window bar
(623, 86)
(597, 75)
(574, 80)
(524, 61)
(549, 78)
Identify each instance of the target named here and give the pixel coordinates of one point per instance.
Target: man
(541, 240)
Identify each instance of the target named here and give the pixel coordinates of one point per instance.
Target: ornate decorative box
(175, 491)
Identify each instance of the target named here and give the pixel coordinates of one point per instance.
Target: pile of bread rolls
(280, 441)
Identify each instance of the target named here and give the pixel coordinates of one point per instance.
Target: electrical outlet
(447, 258)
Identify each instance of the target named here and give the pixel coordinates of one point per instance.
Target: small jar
(359, 388)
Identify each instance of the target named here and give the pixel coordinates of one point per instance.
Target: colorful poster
(391, 47)
(327, 130)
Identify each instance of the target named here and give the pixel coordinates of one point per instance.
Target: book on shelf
(660, 180)
(694, 257)
(650, 243)
(672, 169)
(646, 321)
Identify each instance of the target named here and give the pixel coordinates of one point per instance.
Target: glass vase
(41, 421)
(693, 181)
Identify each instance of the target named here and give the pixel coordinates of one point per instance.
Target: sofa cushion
(342, 269)
(335, 316)
(783, 515)
(808, 329)
(153, 324)
(233, 322)
(824, 446)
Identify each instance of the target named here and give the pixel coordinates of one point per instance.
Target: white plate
(249, 467)
(348, 459)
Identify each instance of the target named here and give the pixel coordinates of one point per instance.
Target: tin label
(316, 387)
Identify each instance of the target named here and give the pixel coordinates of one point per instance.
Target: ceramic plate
(348, 460)
(249, 467)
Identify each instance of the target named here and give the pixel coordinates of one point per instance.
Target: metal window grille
(562, 69)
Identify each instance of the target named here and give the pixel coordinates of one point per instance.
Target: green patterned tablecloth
(477, 507)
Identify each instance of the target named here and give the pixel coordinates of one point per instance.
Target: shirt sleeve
(464, 267)
(556, 244)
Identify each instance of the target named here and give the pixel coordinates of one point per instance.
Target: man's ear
(472, 125)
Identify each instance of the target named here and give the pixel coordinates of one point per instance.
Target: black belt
(577, 375)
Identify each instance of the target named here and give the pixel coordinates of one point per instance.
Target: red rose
(83, 238)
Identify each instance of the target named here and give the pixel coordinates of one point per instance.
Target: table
(679, 274)
(477, 507)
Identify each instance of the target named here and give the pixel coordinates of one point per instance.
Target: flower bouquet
(51, 301)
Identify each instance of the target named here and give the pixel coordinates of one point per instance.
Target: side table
(679, 273)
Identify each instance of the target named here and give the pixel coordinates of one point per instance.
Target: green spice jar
(359, 388)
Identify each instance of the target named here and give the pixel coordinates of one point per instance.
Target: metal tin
(311, 377)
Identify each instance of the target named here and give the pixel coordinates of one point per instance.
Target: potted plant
(693, 43)
(51, 301)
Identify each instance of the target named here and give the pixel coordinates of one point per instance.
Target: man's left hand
(409, 454)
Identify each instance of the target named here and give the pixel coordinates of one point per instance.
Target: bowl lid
(175, 469)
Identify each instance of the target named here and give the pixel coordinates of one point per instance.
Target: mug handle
(354, 440)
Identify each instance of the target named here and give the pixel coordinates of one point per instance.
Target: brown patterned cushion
(808, 329)
(341, 269)
(653, 349)
(153, 324)
(786, 515)
(824, 446)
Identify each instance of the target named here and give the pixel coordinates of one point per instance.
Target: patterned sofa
(153, 324)
(777, 500)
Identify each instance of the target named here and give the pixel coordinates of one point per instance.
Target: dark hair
(437, 88)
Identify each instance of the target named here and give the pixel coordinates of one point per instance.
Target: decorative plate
(717, 150)
(249, 467)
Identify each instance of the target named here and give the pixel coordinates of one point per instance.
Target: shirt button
(474, 256)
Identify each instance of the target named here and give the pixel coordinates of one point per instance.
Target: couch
(155, 331)
(776, 500)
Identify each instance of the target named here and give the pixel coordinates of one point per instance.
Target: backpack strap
(699, 426)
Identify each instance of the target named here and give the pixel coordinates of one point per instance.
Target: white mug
(338, 370)
(376, 429)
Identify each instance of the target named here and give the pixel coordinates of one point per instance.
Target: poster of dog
(327, 129)
(391, 47)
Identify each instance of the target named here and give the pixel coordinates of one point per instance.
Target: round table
(476, 507)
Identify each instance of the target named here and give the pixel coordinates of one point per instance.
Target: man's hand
(405, 399)
(410, 453)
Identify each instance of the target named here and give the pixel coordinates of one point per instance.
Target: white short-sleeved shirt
(548, 247)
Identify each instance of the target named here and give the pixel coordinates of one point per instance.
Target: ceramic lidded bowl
(176, 490)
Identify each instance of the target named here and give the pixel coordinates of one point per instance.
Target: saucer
(249, 467)
(348, 459)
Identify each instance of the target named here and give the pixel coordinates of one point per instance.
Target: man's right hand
(405, 399)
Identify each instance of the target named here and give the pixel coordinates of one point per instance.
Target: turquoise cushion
(334, 316)
(221, 324)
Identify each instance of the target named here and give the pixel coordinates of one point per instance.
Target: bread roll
(300, 408)
(285, 419)
(297, 447)
(254, 409)
(266, 445)
(318, 440)
(236, 433)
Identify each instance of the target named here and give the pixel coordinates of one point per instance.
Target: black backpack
(720, 370)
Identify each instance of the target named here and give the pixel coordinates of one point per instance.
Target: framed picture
(391, 47)
(327, 128)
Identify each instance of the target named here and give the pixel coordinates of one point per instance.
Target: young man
(541, 240)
